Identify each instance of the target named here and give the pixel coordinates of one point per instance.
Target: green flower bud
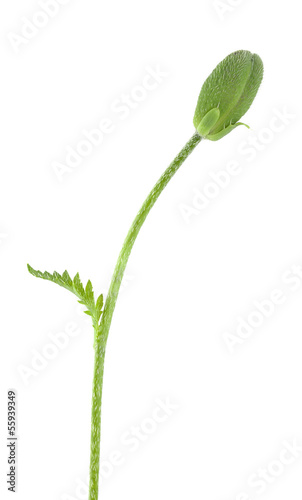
(227, 94)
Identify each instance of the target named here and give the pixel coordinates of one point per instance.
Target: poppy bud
(227, 94)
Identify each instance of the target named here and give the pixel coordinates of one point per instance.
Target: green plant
(224, 98)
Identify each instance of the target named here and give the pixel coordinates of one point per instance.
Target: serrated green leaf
(58, 278)
(33, 272)
(89, 295)
(55, 278)
(99, 306)
(77, 284)
(67, 279)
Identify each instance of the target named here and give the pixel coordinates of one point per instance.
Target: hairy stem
(97, 388)
(103, 331)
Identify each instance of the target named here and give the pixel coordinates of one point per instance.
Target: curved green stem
(103, 330)
(134, 230)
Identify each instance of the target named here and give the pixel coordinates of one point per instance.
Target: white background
(188, 279)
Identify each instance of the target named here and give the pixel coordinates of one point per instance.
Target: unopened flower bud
(227, 94)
